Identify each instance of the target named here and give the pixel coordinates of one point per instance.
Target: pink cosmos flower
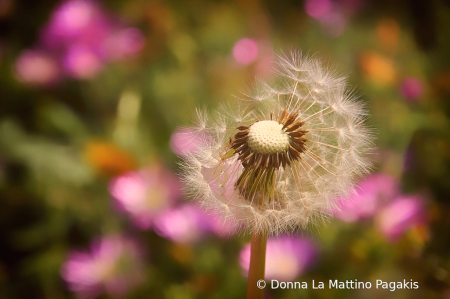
(318, 9)
(37, 68)
(113, 266)
(245, 51)
(81, 63)
(185, 141)
(123, 43)
(183, 224)
(80, 38)
(402, 214)
(371, 193)
(219, 227)
(145, 194)
(411, 89)
(286, 257)
(81, 22)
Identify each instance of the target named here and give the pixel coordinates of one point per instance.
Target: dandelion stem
(257, 265)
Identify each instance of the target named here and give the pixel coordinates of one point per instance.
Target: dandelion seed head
(275, 161)
(268, 137)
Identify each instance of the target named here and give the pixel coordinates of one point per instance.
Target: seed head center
(268, 137)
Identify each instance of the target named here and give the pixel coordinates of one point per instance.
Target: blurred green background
(90, 91)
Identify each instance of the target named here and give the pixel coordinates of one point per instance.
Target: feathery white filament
(335, 153)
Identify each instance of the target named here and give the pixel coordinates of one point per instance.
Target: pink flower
(333, 25)
(402, 214)
(318, 9)
(286, 257)
(113, 266)
(412, 89)
(372, 192)
(185, 141)
(82, 63)
(219, 227)
(184, 224)
(245, 51)
(123, 43)
(37, 68)
(76, 22)
(145, 194)
(82, 37)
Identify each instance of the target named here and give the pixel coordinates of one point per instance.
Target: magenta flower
(113, 266)
(245, 51)
(286, 257)
(81, 37)
(318, 9)
(183, 224)
(145, 194)
(76, 22)
(402, 214)
(371, 193)
(37, 68)
(219, 227)
(123, 43)
(185, 141)
(334, 24)
(80, 62)
(411, 89)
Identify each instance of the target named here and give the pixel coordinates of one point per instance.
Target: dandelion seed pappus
(277, 159)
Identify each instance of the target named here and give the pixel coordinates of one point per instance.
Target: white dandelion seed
(277, 159)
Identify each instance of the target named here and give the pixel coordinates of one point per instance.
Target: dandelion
(277, 159)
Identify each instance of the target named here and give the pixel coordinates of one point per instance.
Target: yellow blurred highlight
(181, 252)
(441, 84)
(419, 234)
(205, 284)
(128, 110)
(108, 159)
(388, 32)
(377, 68)
(360, 248)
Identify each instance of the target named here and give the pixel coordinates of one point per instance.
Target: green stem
(257, 265)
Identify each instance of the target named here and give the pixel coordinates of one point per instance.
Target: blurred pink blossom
(183, 224)
(72, 16)
(330, 14)
(371, 193)
(123, 43)
(351, 7)
(113, 266)
(220, 227)
(81, 63)
(286, 257)
(145, 194)
(81, 37)
(411, 89)
(184, 141)
(402, 214)
(264, 63)
(80, 22)
(37, 68)
(318, 9)
(333, 25)
(245, 51)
